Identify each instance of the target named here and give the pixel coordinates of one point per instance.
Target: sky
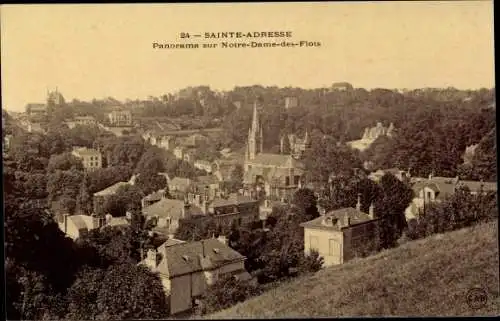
(97, 51)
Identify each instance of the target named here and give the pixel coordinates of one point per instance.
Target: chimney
(321, 210)
(282, 144)
(371, 211)
(430, 176)
(222, 239)
(65, 221)
(345, 221)
(152, 258)
(108, 218)
(358, 204)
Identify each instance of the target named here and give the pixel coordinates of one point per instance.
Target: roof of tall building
(190, 257)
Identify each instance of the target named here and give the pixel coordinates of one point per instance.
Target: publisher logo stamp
(477, 298)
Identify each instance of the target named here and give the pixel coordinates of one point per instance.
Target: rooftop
(171, 208)
(355, 216)
(189, 257)
(111, 190)
(86, 151)
(233, 199)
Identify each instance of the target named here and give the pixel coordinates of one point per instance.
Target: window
(429, 195)
(313, 242)
(296, 180)
(287, 181)
(334, 248)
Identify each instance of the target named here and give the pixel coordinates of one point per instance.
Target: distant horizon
(123, 100)
(96, 51)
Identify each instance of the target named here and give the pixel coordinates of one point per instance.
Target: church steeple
(254, 134)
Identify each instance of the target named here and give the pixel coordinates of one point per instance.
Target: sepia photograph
(249, 160)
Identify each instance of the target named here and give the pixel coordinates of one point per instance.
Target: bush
(227, 292)
(458, 211)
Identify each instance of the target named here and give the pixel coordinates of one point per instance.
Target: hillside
(429, 277)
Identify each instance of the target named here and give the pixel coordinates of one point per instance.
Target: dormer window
(216, 250)
(185, 257)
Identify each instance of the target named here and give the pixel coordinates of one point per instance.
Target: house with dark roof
(437, 189)
(167, 213)
(341, 235)
(226, 211)
(186, 269)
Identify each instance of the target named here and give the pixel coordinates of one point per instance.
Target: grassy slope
(429, 277)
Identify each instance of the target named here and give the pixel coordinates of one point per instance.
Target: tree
(227, 292)
(152, 161)
(84, 198)
(122, 291)
(305, 201)
(391, 206)
(460, 210)
(149, 181)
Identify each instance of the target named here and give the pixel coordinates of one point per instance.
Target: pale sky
(98, 51)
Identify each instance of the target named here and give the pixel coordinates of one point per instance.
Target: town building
(187, 269)
(208, 184)
(179, 187)
(55, 98)
(120, 118)
(275, 175)
(291, 102)
(81, 121)
(341, 235)
(203, 165)
(370, 135)
(36, 109)
(75, 226)
(403, 176)
(436, 189)
(233, 210)
(153, 198)
(167, 213)
(100, 197)
(298, 147)
(91, 158)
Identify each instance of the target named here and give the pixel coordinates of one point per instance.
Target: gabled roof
(207, 180)
(355, 216)
(445, 186)
(111, 190)
(233, 199)
(86, 151)
(190, 257)
(268, 159)
(181, 182)
(476, 186)
(172, 208)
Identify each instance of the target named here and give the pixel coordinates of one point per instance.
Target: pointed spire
(306, 138)
(358, 205)
(371, 211)
(261, 139)
(255, 120)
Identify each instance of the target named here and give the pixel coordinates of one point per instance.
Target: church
(276, 175)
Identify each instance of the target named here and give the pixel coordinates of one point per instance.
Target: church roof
(268, 159)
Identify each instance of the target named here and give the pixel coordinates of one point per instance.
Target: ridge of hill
(428, 277)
